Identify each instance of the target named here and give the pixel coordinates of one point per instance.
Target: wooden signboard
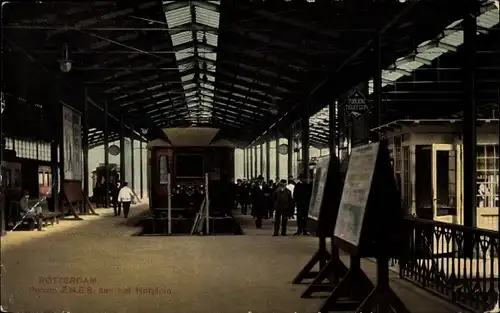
(325, 197)
(73, 194)
(370, 209)
(318, 187)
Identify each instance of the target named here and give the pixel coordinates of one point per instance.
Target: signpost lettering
(357, 104)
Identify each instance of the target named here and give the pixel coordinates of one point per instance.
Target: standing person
(117, 206)
(302, 196)
(258, 202)
(125, 196)
(283, 208)
(240, 191)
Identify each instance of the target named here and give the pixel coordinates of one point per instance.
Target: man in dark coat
(240, 191)
(302, 196)
(258, 202)
(226, 195)
(283, 207)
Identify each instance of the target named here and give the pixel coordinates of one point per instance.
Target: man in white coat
(125, 197)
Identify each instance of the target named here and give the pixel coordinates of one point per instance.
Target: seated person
(29, 212)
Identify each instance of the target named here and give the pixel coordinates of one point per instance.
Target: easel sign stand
(71, 192)
(169, 203)
(323, 208)
(368, 225)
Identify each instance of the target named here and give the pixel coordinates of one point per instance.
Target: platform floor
(52, 270)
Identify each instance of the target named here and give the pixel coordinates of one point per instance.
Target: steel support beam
(268, 158)
(325, 86)
(132, 159)
(469, 118)
(106, 156)
(142, 169)
(85, 145)
(261, 151)
(277, 152)
(256, 169)
(332, 130)
(377, 83)
(122, 149)
(305, 146)
(290, 155)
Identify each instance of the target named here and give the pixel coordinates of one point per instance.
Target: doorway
(445, 162)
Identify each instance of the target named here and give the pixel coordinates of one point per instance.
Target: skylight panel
(241, 87)
(456, 39)
(190, 94)
(207, 86)
(212, 39)
(156, 87)
(207, 17)
(181, 38)
(184, 54)
(186, 67)
(432, 53)
(390, 75)
(178, 17)
(189, 86)
(187, 77)
(410, 66)
(488, 19)
(161, 94)
(210, 78)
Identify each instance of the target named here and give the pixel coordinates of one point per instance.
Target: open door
(446, 180)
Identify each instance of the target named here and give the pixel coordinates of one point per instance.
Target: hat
(260, 177)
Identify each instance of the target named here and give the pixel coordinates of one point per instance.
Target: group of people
(279, 200)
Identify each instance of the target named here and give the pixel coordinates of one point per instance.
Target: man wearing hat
(259, 205)
(302, 196)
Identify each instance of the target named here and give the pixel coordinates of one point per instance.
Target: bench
(46, 217)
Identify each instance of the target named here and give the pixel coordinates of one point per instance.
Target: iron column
(469, 115)
(106, 155)
(85, 144)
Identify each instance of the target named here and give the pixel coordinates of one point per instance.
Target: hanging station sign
(357, 104)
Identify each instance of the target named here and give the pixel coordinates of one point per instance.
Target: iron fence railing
(457, 262)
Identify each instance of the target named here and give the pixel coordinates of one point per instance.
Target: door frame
(458, 181)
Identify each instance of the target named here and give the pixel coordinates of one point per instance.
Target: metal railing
(453, 261)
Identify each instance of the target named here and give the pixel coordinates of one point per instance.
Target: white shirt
(125, 194)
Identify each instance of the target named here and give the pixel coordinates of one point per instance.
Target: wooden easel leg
(382, 298)
(90, 206)
(72, 209)
(355, 287)
(321, 256)
(334, 271)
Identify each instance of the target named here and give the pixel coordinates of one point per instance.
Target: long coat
(259, 201)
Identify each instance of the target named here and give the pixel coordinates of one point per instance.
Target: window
(487, 176)
(9, 144)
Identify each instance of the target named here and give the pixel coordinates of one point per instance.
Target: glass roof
(450, 39)
(195, 42)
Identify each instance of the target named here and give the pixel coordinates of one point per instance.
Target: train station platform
(97, 265)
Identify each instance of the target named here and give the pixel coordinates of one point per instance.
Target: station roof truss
(240, 66)
(427, 83)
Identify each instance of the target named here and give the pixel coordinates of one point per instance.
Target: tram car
(187, 154)
(98, 180)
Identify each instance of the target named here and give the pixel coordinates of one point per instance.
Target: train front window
(189, 165)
